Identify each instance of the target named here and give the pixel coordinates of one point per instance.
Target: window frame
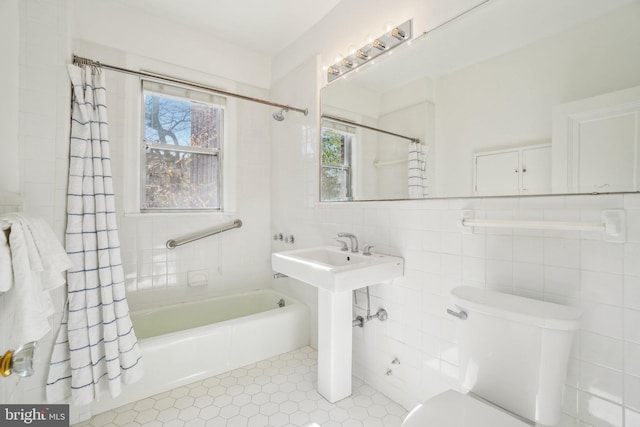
(218, 152)
(348, 134)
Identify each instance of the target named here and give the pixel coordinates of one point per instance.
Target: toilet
(513, 360)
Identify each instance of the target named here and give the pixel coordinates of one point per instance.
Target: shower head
(279, 115)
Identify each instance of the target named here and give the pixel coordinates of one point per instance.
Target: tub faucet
(354, 241)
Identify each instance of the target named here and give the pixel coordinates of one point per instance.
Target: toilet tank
(514, 351)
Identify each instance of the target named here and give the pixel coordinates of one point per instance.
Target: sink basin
(329, 268)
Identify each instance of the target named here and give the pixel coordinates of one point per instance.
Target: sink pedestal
(334, 344)
(335, 273)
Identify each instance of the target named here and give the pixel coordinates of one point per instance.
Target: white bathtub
(188, 342)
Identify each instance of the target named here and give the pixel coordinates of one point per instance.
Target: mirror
(512, 98)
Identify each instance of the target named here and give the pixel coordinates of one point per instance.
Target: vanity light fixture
(392, 38)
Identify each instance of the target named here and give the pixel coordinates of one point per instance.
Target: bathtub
(191, 341)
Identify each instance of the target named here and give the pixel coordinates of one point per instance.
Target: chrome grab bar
(171, 244)
(460, 315)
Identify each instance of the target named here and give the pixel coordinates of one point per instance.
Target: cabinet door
(497, 174)
(536, 170)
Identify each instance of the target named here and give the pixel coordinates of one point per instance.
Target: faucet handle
(343, 244)
(367, 249)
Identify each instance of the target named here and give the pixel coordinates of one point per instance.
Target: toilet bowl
(513, 358)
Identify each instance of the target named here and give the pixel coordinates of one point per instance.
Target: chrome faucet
(354, 241)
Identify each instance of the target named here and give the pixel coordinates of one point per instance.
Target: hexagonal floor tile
(280, 391)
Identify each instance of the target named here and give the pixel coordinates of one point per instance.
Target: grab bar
(171, 244)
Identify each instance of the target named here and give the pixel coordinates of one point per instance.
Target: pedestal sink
(335, 273)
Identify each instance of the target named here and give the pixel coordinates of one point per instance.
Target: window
(182, 144)
(336, 171)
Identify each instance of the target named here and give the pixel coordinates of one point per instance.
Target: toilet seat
(453, 409)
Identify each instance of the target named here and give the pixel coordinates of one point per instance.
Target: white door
(596, 144)
(607, 153)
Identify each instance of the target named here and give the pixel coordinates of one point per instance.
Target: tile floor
(280, 391)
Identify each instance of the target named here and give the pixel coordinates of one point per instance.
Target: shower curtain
(417, 172)
(96, 349)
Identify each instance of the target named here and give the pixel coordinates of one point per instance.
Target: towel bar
(613, 224)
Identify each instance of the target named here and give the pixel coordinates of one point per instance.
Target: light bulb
(378, 44)
(334, 71)
(362, 55)
(398, 33)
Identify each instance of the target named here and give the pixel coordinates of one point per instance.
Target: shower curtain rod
(349, 122)
(158, 77)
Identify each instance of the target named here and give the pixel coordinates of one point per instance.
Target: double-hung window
(183, 138)
(336, 169)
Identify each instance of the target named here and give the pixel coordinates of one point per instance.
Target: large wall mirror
(515, 97)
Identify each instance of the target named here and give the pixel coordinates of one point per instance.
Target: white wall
(37, 153)
(567, 267)
(140, 32)
(294, 177)
(9, 83)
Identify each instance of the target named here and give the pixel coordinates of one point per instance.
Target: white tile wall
(575, 270)
(565, 267)
(43, 121)
(229, 262)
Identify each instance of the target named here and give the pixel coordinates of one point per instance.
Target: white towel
(6, 271)
(38, 261)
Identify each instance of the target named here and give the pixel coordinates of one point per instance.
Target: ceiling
(263, 26)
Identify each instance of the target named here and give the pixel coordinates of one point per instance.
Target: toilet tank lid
(516, 308)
